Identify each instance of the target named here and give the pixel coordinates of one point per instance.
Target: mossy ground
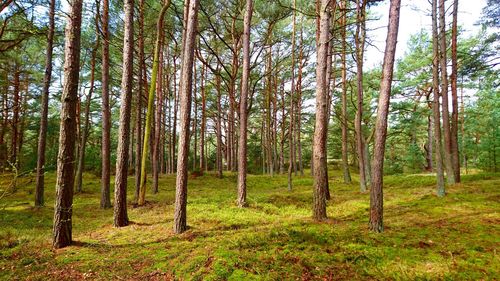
(426, 237)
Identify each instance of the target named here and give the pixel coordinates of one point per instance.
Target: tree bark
(140, 95)
(42, 135)
(343, 123)
(436, 110)
(203, 119)
(292, 89)
(16, 108)
(180, 224)
(242, 153)
(450, 174)
(321, 126)
(454, 97)
(219, 123)
(360, 45)
(106, 112)
(120, 206)
(376, 191)
(63, 209)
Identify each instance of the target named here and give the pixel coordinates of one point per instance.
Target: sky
(415, 15)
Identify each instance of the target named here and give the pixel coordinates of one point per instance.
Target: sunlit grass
(426, 237)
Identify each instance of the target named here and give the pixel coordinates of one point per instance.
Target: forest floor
(426, 237)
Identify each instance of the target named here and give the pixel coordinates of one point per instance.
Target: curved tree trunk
(63, 209)
(149, 113)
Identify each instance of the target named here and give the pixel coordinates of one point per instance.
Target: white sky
(415, 15)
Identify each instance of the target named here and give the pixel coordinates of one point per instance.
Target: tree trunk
(63, 210)
(454, 96)
(360, 45)
(321, 126)
(242, 153)
(437, 119)
(158, 118)
(106, 112)
(292, 89)
(140, 95)
(203, 119)
(86, 128)
(343, 123)
(42, 136)
(219, 123)
(376, 192)
(120, 206)
(16, 108)
(185, 112)
(450, 175)
(149, 113)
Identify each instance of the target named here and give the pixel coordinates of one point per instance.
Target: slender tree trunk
(16, 108)
(321, 126)
(106, 112)
(454, 97)
(219, 123)
(174, 129)
(360, 45)
(158, 118)
(292, 89)
(180, 224)
(343, 123)
(298, 116)
(86, 127)
(140, 95)
(242, 153)
(195, 118)
(450, 175)
(149, 114)
(203, 118)
(437, 119)
(120, 206)
(63, 209)
(376, 191)
(42, 135)
(283, 128)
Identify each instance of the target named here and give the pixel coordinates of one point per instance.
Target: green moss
(425, 238)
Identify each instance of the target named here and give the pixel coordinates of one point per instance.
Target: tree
(120, 206)
(242, 154)
(106, 112)
(63, 210)
(190, 31)
(454, 96)
(435, 90)
(376, 192)
(343, 122)
(448, 158)
(42, 136)
(360, 45)
(151, 97)
(321, 125)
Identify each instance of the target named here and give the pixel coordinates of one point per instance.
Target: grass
(425, 238)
